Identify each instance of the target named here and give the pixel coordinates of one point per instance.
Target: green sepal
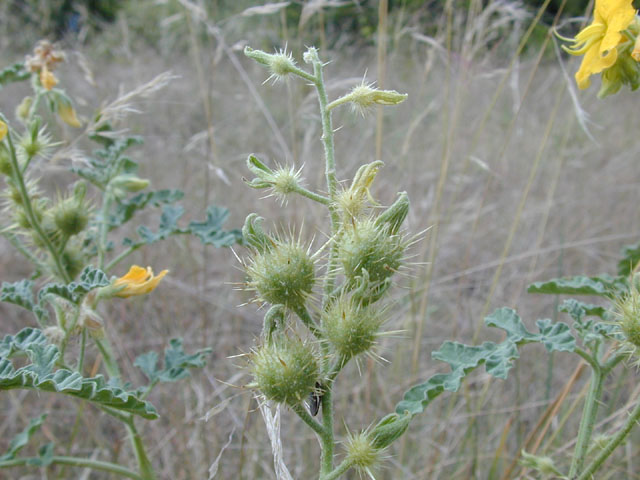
(629, 260)
(40, 375)
(13, 73)
(176, 362)
(497, 358)
(602, 285)
(22, 439)
(253, 234)
(264, 174)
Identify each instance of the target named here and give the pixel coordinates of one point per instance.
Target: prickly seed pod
(627, 319)
(5, 160)
(282, 274)
(71, 216)
(285, 371)
(366, 246)
(73, 260)
(362, 454)
(351, 328)
(280, 64)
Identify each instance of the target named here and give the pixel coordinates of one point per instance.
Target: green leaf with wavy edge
(40, 375)
(629, 260)
(13, 73)
(22, 439)
(90, 279)
(176, 362)
(126, 209)
(210, 231)
(21, 294)
(578, 310)
(602, 285)
(497, 358)
(108, 162)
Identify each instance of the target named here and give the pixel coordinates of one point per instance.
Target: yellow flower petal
(598, 42)
(138, 281)
(47, 79)
(3, 130)
(68, 115)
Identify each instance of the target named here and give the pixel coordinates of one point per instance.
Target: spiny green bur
(283, 275)
(351, 328)
(285, 371)
(366, 246)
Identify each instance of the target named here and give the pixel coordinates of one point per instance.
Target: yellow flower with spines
(598, 41)
(137, 281)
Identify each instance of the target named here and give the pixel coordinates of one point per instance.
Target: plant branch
(77, 462)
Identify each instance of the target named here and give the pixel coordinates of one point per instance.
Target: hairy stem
(609, 448)
(28, 209)
(326, 458)
(588, 419)
(308, 419)
(77, 462)
(339, 470)
(144, 464)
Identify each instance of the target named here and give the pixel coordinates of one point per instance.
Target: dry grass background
(494, 160)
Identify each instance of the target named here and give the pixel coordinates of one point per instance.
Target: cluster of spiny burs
(54, 228)
(328, 306)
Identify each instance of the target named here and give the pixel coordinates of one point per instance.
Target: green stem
(588, 419)
(339, 470)
(121, 256)
(308, 419)
(326, 438)
(17, 244)
(330, 168)
(107, 354)
(144, 465)
(28, 209)
(303, 314)
(615, 441)
(312, 195)
(83, 344)
(78, 462)
(104, 226)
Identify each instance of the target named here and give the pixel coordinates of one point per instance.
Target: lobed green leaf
(629, 260)
(210, 231)
(602, 285)
(22, 439)
(40, 375)
(13, 73)
(497, 358)
(126, 209)
(176, 362)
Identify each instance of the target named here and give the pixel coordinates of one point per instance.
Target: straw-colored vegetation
(514, 175)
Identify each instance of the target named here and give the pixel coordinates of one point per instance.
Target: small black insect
(315, 398)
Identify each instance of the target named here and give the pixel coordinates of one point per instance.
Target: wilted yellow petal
(68, 115)
(138, 281)
(47, 78)
(3, 130)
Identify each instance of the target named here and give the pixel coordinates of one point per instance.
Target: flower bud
(285, 371)
(355, 200)
(283, 274)
(351, 328)
(129, 182)
(263, 173)
(389, 429)
(543, 465)
(369, 247)
(280, 64)
(274, 318)
(393, 217)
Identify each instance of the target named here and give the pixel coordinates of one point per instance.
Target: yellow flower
(47, 78)
(598, 41)
(138, 281)
(3, 130)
